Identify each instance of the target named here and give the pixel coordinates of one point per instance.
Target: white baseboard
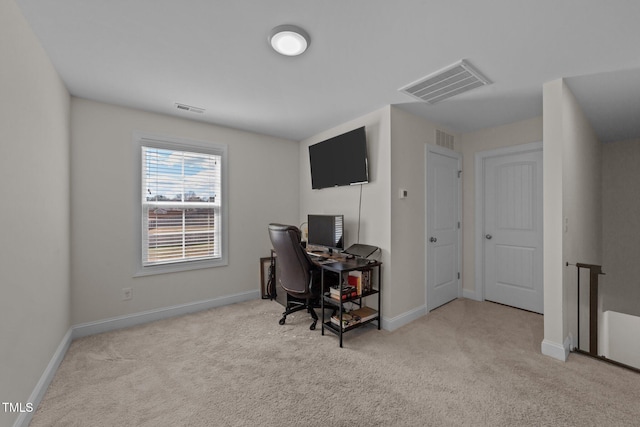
(555, 350)
(403, 319)
(40, 389)
(106, 325)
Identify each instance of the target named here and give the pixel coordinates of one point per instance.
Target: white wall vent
(443, 139)
(450, 81)
(190, 108)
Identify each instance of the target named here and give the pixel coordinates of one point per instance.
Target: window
(182, 204)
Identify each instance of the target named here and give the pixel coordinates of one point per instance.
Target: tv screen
(326, 230)
(341, 160)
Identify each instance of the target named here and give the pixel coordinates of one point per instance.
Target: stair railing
(595, 271)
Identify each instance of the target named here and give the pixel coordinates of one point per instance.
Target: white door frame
(436, 149)
(481, 156)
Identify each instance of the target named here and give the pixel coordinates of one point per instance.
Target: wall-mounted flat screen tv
(341, 160)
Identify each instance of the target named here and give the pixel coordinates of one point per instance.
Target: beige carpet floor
(467, 363)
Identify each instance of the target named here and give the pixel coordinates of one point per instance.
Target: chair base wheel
(313, 326)
(281, 321)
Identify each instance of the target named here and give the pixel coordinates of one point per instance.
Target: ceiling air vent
(450, 81)
(190, 108)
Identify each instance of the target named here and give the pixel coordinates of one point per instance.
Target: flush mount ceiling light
(289, 40)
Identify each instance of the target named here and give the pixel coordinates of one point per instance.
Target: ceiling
(214, 54)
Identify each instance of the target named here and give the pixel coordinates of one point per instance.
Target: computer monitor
(326, 231)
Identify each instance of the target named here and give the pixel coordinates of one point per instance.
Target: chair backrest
(292, 263)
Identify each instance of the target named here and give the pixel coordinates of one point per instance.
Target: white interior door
(512, 231)
(442, 226)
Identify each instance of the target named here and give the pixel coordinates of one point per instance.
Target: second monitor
(326, 231)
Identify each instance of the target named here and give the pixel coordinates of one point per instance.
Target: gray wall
(34, 186)
(521, 132)
(397, 141)
(620, 287)
(572, 211)
(375, 221)
(263, 187)
(409, 136)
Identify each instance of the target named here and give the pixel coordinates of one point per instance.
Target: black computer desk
(339, 265)
(342, 266)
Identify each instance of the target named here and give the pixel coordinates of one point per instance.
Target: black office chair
(295, 271)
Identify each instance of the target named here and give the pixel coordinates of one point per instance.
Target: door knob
(488, 237)
(433, 240)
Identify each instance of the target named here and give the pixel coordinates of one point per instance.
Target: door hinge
(458, 224)
(459, 174)
(458, 276)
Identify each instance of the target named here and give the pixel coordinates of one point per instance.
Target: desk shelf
(336, 329)
(343, 270)
(356, 300)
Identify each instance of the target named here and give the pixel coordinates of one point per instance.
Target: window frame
(143, 139)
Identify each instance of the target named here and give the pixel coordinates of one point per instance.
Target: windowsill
(178, 267)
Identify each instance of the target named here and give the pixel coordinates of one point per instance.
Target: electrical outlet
(127, 294)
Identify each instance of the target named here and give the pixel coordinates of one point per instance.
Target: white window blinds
(181, 196)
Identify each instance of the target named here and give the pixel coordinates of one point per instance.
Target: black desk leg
(322, 297)
(379, 298)
(341, 326)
